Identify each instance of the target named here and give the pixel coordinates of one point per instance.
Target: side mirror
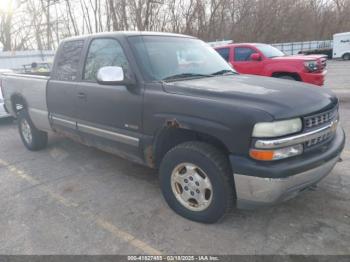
(255, 57)
(112, 75)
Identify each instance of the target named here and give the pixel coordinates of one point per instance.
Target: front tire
(197, 182)
(32, 138)
(346, 56)
(286, 77)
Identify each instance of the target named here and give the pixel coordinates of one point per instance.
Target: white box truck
(341, 46)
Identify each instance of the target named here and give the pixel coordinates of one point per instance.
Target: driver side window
(103, 52)
(243, 53)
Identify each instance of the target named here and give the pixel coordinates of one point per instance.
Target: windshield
(166, 57)
(269, 51)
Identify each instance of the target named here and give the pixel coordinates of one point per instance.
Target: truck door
(109, 116)
(61, 89)
(242, 62)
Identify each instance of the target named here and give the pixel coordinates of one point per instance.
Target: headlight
(311, 66)
(276, 154)
(277, 128)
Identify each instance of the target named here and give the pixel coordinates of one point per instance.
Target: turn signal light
(263, 155)
(276, 154)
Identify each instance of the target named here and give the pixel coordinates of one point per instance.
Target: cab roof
(342, 34)
(126, 34)
(238, 44)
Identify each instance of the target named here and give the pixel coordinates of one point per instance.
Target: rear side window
(243, 53)
(103, 52)
(67, 64)
(225, 53)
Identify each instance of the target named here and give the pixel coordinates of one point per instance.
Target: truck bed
(33, 89)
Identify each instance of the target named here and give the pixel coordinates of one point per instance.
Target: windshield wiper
(185, 75)
(223, 72)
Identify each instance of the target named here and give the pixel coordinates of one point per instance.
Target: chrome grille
(321, 118)
(319, 139)
(323, 63)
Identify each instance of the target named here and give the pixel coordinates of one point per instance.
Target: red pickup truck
(266, 60)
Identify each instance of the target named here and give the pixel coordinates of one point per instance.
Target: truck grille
(319, 139)
(320, 119)
(323, 63)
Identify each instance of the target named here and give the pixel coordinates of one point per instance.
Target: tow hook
(340, 160)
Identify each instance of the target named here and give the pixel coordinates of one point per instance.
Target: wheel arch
(344, 54)
(175, 132)
(18, 103)
(296, 76)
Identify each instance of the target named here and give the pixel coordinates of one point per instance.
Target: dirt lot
(72, 199)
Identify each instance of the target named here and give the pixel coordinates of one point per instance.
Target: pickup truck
(3, 111)
(219, 139)
(266, 60)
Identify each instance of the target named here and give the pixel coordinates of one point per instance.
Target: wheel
(197, 182)
(286, 77)
(32, 138)
(346, 56)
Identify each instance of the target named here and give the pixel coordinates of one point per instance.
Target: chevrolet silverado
(170, 102)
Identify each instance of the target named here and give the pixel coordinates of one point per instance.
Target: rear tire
(32, 138)
(346, 56)
(205, 191)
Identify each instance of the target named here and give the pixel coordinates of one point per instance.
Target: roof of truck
(342, 34)
(126, 33)
(238, 44)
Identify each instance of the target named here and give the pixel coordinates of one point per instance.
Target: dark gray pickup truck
(170, 102)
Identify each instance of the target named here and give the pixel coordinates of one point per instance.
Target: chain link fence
(294, 48)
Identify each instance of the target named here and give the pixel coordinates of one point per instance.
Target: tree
(41, 24)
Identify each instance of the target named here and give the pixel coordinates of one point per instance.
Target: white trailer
(341, 46)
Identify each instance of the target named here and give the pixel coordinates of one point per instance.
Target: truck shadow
(6, 121)
(96, 161)
(293, 217)
(129, 195)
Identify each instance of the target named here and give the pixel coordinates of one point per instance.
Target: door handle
(81, 95)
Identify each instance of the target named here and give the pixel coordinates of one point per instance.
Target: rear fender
(17, 104)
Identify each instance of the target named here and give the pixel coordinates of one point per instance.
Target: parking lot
(338, 76)
(72, 199)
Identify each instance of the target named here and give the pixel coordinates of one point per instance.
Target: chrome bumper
(255, 191)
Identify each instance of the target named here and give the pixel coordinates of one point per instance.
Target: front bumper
(314, 78)
(260, 184)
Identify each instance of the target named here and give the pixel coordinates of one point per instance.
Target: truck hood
(299, 58)
(279, 98)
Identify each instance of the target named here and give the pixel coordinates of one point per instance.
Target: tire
(286, 77)
(203, 160)
(346, 56)
(32, 138)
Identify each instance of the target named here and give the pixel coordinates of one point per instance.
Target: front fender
(277, 68)
(188, 122)
(207, 127)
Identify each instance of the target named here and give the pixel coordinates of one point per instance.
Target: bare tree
(5, 30)
(42, 23)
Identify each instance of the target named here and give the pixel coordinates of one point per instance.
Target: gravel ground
(338, 75)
